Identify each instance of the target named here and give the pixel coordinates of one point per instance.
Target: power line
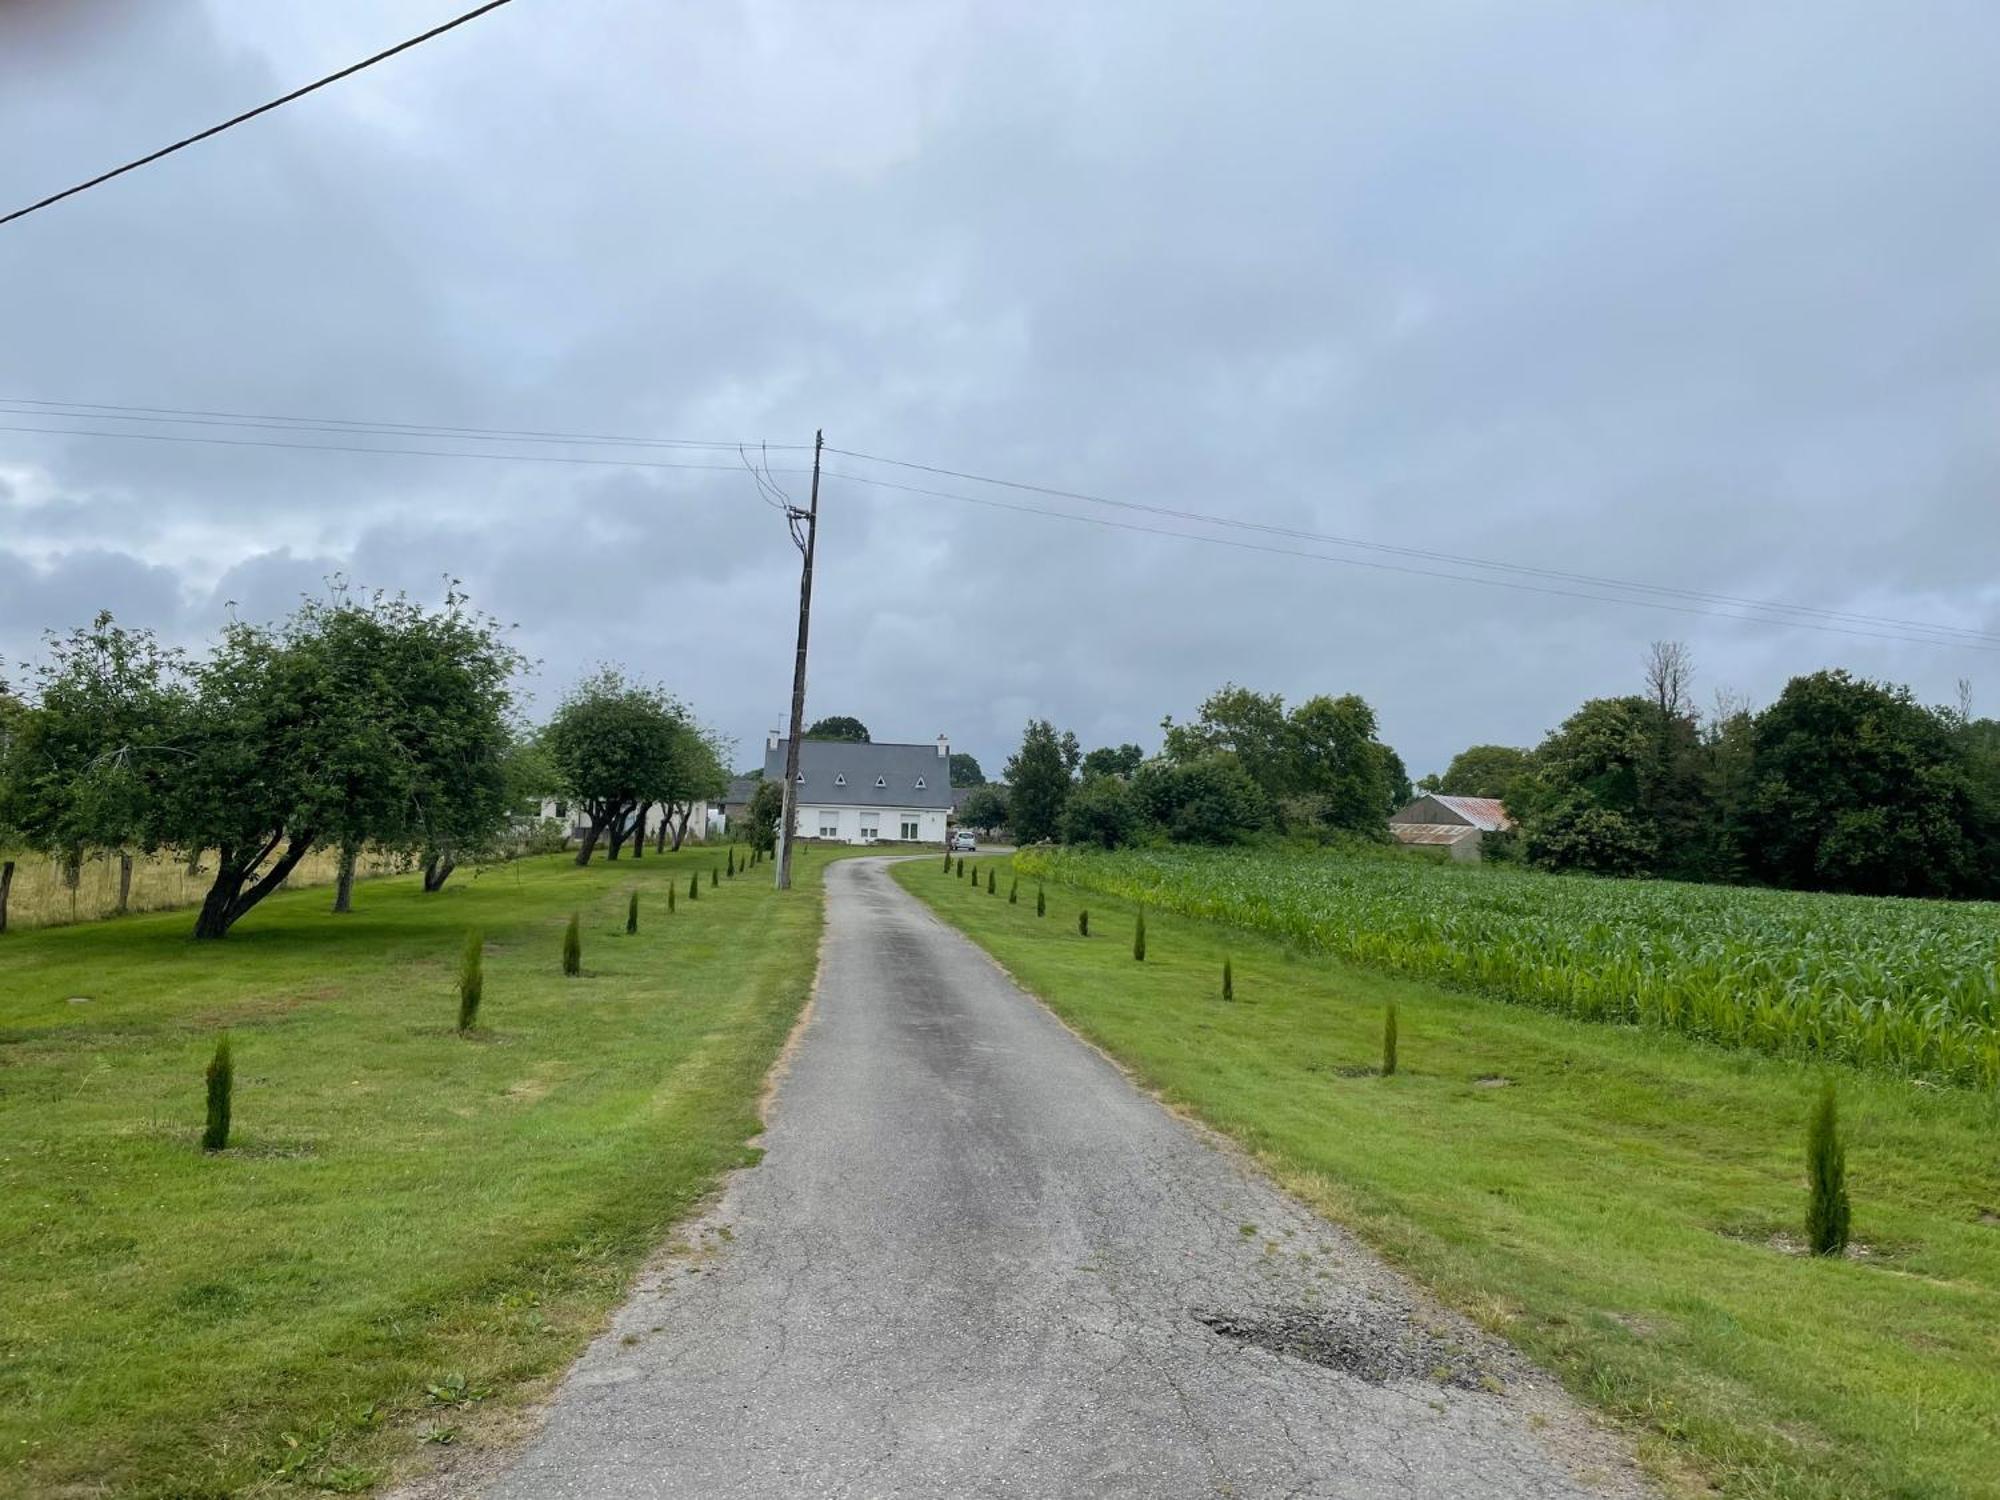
(1386, 567)
(1429, 555)
(519, 458)
(251, 114)
(200, 417)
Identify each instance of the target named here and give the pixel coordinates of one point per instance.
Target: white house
(576, 824)
(866, 794)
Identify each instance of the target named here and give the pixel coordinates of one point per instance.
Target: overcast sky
(1704, 297)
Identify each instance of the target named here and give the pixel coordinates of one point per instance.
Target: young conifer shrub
(1041, 902)
(1139, 939)
(947, 861)
(1228, 981)
(221, 1084)
(632, 914)
(961, 867)
(730, 868)
(1389, 1040)
(992, 881)
(572, 948)
(1014, 892)
(471, 981)
(694, 886)
(1827, 1208)
(671, 888)
(714, 877)
(1083, 922)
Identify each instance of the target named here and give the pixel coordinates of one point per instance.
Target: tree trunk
(124, 882)
(343, 882)
(639, 832)
(437, 870)
(681, 812)
(233, 893)
(6, 885)
(660, 838)
(590, 839)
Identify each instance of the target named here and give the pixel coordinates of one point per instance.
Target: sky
(1699, 298)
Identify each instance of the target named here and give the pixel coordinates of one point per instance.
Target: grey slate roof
(823, 762)
(741, 790)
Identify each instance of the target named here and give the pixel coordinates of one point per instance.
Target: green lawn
(1620, 1203)
(410, 1229)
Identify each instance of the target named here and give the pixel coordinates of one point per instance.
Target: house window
(829, 825)
(911, 827)
(871, 827)
(920, 783)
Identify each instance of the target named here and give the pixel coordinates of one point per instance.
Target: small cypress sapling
(1041, 902)
(1014, 892)
(992, 881)
(221, 1084)
(471, 981)
(572, 948)
(1389, 1040)
(947, 861)
(961, 867)
(1228, 981)
(1827, 1208)
(730, 869)
(1139, 939)
(632, 914)
(694, 886)
(1083, 922)
(714, 877)
(671, 888)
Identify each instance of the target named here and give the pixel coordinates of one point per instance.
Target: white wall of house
(869, 825)
(576, 824)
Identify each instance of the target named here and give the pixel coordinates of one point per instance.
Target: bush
(1083, 922)
(1827, 1209)
(1389, 1040)
(1228, 982)
(471, 981)
(221, 1084)
(1100, 813)
(572, 948)
(1139, 939)
(632, 914)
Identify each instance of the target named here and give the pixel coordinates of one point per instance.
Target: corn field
(1911, 986)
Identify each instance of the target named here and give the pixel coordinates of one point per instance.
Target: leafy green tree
(1039, 776)
(1248, 725)
(839, 727)
(1208, 800)
(767, 810)
(965, 769)
(615, 746)
(1578, 836)
(1100, 812)
(1579, 802)
(1332, 756)
(1860, 788)
(984, 807)
(1121, 760)
(696, 772)
(1480, 771)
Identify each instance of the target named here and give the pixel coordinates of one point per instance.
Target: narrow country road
(975, 1261)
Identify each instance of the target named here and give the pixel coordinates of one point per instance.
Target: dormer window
(840, 779)
(802, 778)
(881, 781)
(920, 783)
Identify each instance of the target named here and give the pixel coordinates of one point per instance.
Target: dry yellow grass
(43, 897)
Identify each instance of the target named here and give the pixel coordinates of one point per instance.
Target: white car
(964, 843)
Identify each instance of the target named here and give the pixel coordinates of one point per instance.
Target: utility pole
(809, 519)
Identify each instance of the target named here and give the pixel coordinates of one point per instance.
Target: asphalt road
(976, 1261)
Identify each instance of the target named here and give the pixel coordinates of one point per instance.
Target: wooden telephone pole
(805, 533)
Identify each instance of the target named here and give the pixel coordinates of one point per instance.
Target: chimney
(771, 739)
(944, 747)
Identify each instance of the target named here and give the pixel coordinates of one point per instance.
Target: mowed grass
(410, 1229)
(1623, 1204)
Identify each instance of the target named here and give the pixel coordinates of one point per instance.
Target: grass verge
(1624, 1205)
(410, 1229)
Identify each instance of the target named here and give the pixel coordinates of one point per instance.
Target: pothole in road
(1375, 1347)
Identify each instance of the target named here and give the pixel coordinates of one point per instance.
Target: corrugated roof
(839, 773)
(1488, 813)
(1432, 833)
